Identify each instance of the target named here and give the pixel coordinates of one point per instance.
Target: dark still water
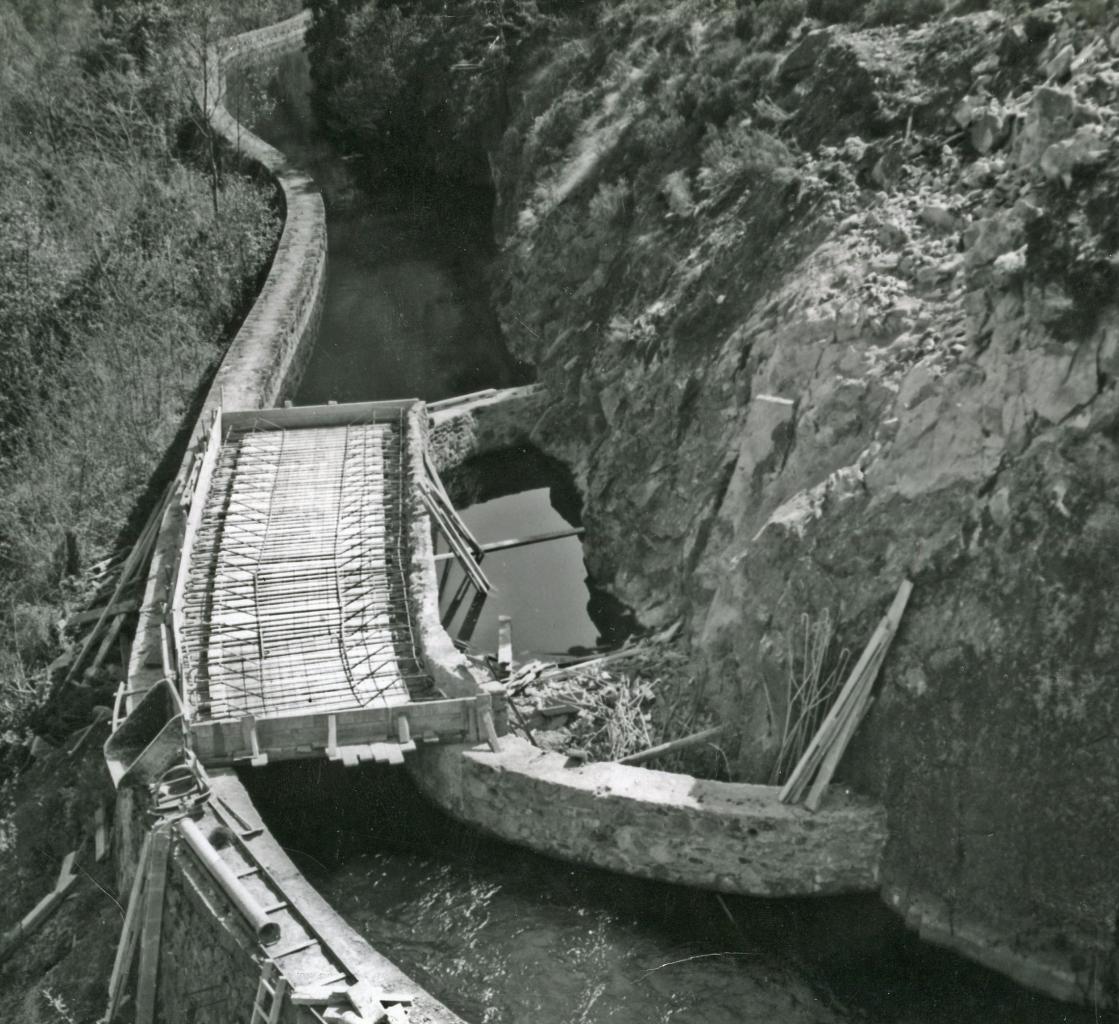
(500, 934)
(506, 936)
(407, 312)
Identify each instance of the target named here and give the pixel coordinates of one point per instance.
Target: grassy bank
(130, 248)
(126, 259)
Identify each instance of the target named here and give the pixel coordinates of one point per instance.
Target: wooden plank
(302, 416)
(147, 979)
(457, 542)
(817, 749)
(446, 506)
(35, 918)
(319, 995)
(130, 604)
(854, 719)
(449, 403)
(106, 644)
(282, 738)
(130, 931)
(860, 682)
(695, 739)
(136, 557)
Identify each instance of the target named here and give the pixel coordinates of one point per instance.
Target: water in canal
(502, 935)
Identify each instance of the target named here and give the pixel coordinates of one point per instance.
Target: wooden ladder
(270, 991)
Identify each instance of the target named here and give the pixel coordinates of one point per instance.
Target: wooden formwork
(292, 616)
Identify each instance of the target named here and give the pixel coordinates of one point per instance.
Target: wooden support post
(33, 919)
(445, 574)
(100, 834)
(456, 602)
(505, 642)
(485, 722)
(155, 886)
(472, 616)
(466, 549)
(248, 730)
(126, 947)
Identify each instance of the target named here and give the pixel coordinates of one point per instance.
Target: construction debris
(112, 602)
(609, 707)
(822, 756)
(42, 910)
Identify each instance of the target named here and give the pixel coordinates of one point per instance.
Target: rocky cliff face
(823, 306)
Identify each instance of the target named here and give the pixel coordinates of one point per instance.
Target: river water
(502, 935)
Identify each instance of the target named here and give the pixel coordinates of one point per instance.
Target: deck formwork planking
(292, 613)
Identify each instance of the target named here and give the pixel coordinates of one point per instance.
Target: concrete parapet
(729, 837)
(486, 422)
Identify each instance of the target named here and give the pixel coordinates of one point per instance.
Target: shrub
(124, 258)
(836, 11)
(903, 12)
(553, 130)
(743, 156)
(609, 202)
(769, 22)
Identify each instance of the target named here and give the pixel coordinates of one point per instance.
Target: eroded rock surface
(858, 324)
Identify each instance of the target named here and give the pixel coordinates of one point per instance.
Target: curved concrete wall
(267, 354)
(729, 837)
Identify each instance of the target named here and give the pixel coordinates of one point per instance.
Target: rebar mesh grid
(295, 599)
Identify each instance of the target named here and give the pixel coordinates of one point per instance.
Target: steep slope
(823, 305)
(866, 328)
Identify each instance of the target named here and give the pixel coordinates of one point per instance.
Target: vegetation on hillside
(422, 85)
(126, 256)
(129, 247)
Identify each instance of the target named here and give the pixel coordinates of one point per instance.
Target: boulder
(939, 217)
(1049, 118)
(1086, 147)
(990, 128)
(1058, 66)
(803, 57)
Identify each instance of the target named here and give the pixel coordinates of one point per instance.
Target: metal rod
(267, 930)
(506, 545)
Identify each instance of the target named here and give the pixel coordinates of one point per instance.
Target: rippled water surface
(502, 946)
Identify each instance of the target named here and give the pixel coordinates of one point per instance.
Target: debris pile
(613, 707)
